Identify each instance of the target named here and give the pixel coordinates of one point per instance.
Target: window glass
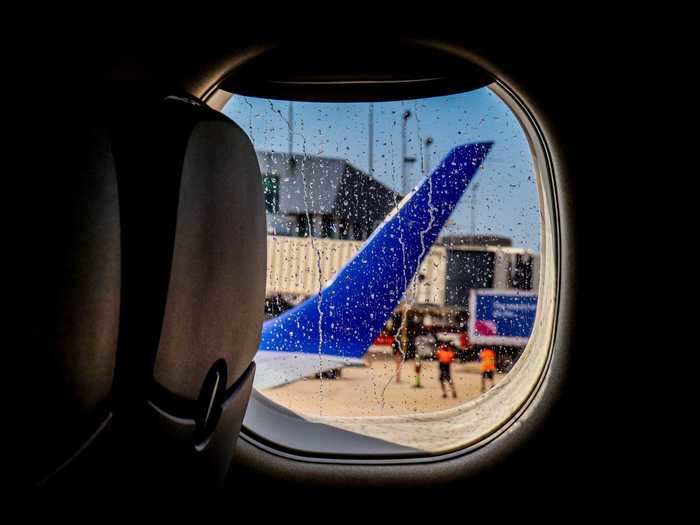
(403, 254)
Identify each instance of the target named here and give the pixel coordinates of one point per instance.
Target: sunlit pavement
(372, 390)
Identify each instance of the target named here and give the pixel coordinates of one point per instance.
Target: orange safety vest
(445, 355)
(488, 360)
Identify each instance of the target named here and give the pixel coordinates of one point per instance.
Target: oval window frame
(550, 278)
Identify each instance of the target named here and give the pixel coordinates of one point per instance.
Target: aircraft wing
(336, 327)
(279, 368)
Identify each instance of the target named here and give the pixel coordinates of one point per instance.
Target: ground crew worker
(425, 348)
(445, 356)
(487, 358)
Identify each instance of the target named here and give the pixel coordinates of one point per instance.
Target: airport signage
(501, 317)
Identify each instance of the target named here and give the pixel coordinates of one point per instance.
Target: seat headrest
(194, 264)
(215, 301)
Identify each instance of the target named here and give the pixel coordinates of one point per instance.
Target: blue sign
(501, 317)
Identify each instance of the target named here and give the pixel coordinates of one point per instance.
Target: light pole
(428, 143)
(370, 146)
(290, 120)
(474, 188)
(404, 121)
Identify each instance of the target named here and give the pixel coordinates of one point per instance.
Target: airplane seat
(73, 298)
(192, 255)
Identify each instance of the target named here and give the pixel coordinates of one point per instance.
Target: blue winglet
(351, 310)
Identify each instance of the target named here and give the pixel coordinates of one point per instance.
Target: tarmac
(373, 391)
(367, 401)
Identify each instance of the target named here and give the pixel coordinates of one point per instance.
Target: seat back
(186, 246)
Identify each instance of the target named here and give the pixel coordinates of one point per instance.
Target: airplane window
(405, 262)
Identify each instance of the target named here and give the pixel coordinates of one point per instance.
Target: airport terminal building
(322, 197)
(339, 206)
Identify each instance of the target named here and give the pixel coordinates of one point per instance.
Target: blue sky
(507, 202)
